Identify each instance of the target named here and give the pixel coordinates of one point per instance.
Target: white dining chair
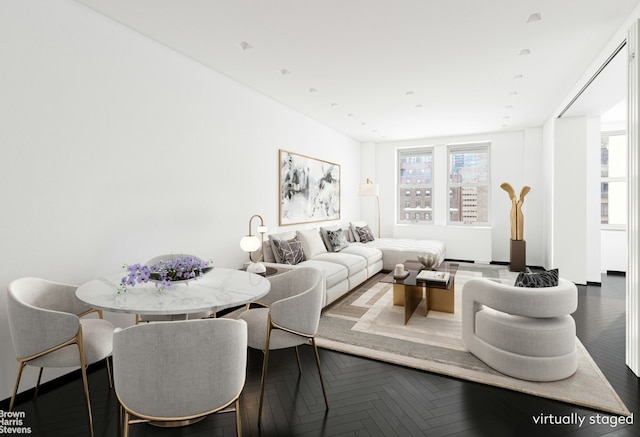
(177, 372)
(290, 318)
(47, 331)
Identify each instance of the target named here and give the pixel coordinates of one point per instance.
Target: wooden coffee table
(408, 292)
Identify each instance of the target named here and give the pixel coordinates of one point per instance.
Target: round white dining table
(216, 290)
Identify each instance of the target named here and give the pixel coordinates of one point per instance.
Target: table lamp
(251, 243)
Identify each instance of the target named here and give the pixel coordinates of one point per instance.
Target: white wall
(576, 203)
(516, 158)
(115, 149)
(613, 250)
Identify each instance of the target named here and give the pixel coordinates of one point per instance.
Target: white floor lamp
(371, 189)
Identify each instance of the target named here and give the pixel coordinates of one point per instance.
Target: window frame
(403, 188)
(476, 147)
(609, 179)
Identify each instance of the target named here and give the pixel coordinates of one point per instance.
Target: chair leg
(298, 360)
(125, 424)
(15, 388)
(85, 381)
(35, 391)
(324, 392)
(109, 373)
(238, 419)
(265, 363)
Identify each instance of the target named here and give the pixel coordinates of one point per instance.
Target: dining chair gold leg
(265, 363)
(37, 388)
(85, 380)
(125, 426)
(238, 419)
(109, 373)
(15, 388)
(298, 360)
(324, 392)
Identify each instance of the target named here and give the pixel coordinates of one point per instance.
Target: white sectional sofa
(345, 259)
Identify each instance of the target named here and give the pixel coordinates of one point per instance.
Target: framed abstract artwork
(309, 189)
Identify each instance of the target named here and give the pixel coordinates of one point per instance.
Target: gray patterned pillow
(289, 251)
(337, 240)
(365, 234)
(538, 280)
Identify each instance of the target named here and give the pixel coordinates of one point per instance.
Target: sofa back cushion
(312, 243)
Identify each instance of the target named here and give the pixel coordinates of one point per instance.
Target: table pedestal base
(437, 299)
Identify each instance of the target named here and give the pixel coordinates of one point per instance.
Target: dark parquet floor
(369, 398)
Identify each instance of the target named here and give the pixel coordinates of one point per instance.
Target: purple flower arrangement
(164, 272)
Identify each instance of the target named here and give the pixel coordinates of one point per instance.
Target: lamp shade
(369, 190)
(250, 243)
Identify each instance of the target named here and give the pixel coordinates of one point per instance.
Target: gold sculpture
(517, 218)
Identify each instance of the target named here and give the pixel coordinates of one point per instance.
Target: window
(469, 184)
(415, 184)
(613, 184)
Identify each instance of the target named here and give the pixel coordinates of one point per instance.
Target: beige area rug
(367, 324)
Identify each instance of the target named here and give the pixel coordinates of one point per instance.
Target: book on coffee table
(432, 276)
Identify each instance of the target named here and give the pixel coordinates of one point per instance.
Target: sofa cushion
(312, 244)
(289, 251)
(281, 236)
(364, 234)
(354, 232)
(334, 273)
(371, 254)
(538, 280)
(337, 240)
(353, 263)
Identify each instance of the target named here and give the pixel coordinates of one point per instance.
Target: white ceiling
(383, 70)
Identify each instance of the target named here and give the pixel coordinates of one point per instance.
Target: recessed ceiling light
(334, 104)
(513, 93)
(349, 114)
(418, 106)
(363, 124)
(506, 117)
(518, 76)
(284, 72)
(410, 93)
(245, 45)
(509, 106)
(313, 90)
(524, 52)
(537, 16)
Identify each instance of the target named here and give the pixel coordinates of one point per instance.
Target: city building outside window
(415, 185)
(469, 183)
(613, 183)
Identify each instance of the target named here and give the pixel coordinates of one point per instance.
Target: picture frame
(309, 189)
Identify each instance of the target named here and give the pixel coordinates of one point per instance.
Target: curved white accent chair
(47, 330)
(526, 333)
(179, 371)
(290, 319)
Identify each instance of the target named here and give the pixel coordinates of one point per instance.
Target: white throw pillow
(312, 243)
